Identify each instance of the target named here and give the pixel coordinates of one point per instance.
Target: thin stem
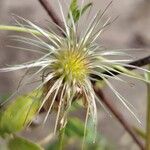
(85, 128)
(119, 117)
(148, 113)
(50, 11)
(61, 138)
(19, 29)
(138, 63)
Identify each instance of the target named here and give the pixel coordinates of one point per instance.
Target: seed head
(70, 64)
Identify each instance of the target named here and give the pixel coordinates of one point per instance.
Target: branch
(50, 11)
(117, 114)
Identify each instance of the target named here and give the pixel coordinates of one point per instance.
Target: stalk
(61, 138)
(19, 29)
(148, 112)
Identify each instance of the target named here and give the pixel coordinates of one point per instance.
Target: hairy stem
(61, 138)
(19, 29)
(148, 113)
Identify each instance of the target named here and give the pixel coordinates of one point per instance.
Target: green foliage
(53, 146)
(76, 11)
(91, 134)
(74, 132)
(19, 29)
(18, 143)
(86, 7)
(19, 113)
(74, 127)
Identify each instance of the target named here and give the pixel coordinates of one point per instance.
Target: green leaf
(86, 7)
(19, 113)
(76, 11)
(18, 143)
(90, 131)
(74, 5)
(53, 146)
(74, 130)
(74, 127)
(19, 29)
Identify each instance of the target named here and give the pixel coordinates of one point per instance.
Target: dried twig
(119, 116)
(50, 11)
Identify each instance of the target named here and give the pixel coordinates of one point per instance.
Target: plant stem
(50, 11)
(148, 113)
(119, 117)
(19, 29)
(61, 138)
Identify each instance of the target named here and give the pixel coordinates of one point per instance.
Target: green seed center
(72, 65)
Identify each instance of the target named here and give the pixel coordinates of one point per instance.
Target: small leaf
(91, 134)
(19, 113)
(18, 143)
(73, 5)
(86, 7)
(74, 127)
(76, 11)
(53, 146)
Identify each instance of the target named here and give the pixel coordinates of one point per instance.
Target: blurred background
(130, 30)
